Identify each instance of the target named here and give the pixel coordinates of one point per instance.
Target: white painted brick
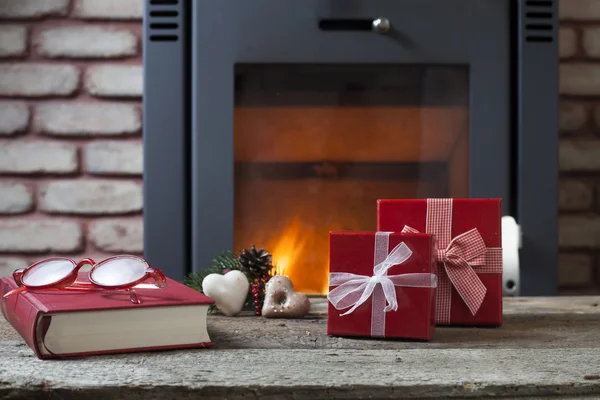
(26, 157)
(14, 117)
(579, 155)
(33, 8)
(575, 195)
(26, 79)
(15, 198)
(9, 264)
(76, 119)
(118, 235)
(580, 79)
(567, 42)
(575, 269)
(115, 80)
(591, 41)
(13, 41)
(114, 157)
(579, 231)
(86, 42)
(579, 10)
(109, 9)
(573, 116)
(91, 197)
(34, 236)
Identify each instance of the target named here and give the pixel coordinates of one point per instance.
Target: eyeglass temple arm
(14, 291)
(133, 296)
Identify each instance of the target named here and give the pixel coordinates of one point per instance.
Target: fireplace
(314, 150)
(273, 122)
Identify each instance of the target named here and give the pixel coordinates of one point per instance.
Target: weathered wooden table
(547, 347)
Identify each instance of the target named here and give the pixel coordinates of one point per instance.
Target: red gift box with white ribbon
(469, 253)
(381, 284)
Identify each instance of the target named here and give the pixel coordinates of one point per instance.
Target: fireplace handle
(381, 25)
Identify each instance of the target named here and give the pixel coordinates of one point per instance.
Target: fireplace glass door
(315, 146)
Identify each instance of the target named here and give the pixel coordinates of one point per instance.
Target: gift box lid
(353, 252)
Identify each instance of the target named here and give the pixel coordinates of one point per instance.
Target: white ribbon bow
(353, 290)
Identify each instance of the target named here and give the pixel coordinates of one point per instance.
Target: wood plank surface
(548, 347)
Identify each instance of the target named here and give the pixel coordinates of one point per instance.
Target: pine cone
(255, 264)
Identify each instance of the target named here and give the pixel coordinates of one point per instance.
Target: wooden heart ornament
(281, 301)
(229, 291)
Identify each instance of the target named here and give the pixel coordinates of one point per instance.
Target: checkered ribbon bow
(459, 257)
(462, 254)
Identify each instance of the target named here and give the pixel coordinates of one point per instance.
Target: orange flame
(290, 258)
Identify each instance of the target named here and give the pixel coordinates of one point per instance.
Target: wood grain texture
(547, 347)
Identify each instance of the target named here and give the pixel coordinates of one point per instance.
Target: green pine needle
(225, 261)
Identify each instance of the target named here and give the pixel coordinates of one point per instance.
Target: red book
(69, 323)
(414, 285)
(468, 233)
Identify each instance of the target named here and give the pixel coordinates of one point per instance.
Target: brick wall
(70, 133)
(579, 233)
(70, 129)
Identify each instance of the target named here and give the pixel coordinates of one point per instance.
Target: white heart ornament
(228, 291)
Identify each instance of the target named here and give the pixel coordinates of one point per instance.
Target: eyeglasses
(122, 272)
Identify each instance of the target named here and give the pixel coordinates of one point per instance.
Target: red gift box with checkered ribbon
(469, 253)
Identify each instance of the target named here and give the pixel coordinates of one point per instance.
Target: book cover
(56, 323)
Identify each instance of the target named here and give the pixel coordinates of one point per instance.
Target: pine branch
(221, 264)
(226, 261)
(194, 280)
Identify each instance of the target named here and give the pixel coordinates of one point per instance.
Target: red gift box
(469, 241)
(381, 284)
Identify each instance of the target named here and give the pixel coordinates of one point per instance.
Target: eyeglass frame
(69, 282)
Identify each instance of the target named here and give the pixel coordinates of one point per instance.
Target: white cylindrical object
(511, 242)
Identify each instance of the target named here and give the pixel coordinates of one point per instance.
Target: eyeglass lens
(48, 272)
(119, 271)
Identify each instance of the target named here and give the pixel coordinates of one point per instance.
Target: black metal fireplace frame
(191, 47)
